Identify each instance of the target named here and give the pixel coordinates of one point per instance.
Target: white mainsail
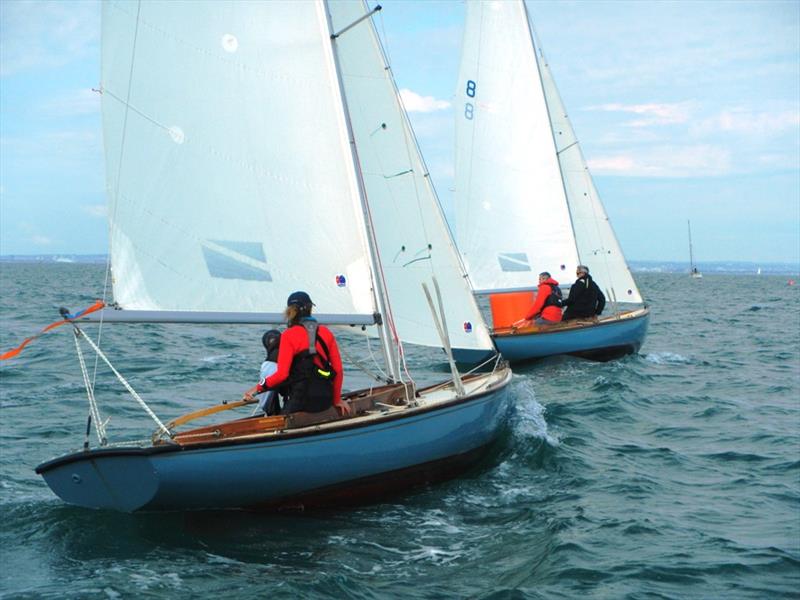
(525, 201)
(512, 220)
(230, 178)
(413, 239)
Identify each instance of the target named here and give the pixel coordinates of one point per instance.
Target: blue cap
(299, 299)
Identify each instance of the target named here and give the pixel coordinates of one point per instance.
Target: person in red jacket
(309, 363)
(546, 308)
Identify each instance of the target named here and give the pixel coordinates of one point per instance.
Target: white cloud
(42, 34)
(75, 103)
(54, 148)
(666, 161)
(41, 240)
(652, 114)
(749, 122)
(95, 210)
(413, 102)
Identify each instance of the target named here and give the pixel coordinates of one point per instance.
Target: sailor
(546, 309)
(269, 402)
(308, 362)
(585, 299)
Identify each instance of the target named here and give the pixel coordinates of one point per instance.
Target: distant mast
(692, 269)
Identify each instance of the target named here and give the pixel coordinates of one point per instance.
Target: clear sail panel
(230, 179)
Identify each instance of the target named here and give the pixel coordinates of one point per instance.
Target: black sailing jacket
(585, 299)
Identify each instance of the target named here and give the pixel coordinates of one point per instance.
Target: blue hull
(602, 341)
(301, 468)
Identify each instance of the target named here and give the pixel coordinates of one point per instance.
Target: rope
(124, 382)
(93, 409)
(380, 376)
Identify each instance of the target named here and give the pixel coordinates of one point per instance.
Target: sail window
(515, 261)
(236, 260)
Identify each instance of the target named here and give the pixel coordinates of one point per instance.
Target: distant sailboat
(254, 147)
(525, 201)
(695, 272)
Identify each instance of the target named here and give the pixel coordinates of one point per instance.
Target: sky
(685, 110)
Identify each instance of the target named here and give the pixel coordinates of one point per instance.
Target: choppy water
(671, 474)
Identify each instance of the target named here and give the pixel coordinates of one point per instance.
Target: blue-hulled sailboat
(525, 201)
(253, 148)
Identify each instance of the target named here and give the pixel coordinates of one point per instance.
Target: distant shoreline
(637, 266)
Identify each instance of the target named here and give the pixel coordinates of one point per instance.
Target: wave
(667, 358)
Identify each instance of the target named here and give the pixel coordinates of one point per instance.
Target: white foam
(664, 358)
(531, 421)
(147, 578)
(217, 358)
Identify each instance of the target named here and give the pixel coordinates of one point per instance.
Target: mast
(691, 258)
(385, 333)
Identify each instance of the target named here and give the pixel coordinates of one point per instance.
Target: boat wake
(531, 422)
(666, 358)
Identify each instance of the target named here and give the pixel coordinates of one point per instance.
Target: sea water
(674, 473)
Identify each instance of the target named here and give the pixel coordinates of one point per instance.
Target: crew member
(308, 362)
(546, 309)
(585, 299)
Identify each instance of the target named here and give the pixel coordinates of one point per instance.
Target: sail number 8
(469, 110)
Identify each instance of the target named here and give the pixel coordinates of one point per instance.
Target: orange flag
(94, 307)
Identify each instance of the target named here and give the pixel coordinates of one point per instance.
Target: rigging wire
(123, 381)
(112, 216)
(99, 426)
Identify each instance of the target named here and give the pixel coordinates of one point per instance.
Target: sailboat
(693, 270)
(254, 148)
(524, 199)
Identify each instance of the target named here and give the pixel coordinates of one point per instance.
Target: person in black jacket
(585, 299)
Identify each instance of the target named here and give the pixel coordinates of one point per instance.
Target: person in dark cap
(585, 299)
(309, 363)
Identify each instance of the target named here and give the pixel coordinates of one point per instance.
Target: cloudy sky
(684, 110)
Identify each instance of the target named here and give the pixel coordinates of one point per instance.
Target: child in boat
(269, 402)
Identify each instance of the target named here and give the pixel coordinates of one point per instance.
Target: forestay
(512, 219)
(225, 137)
(413, 239)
